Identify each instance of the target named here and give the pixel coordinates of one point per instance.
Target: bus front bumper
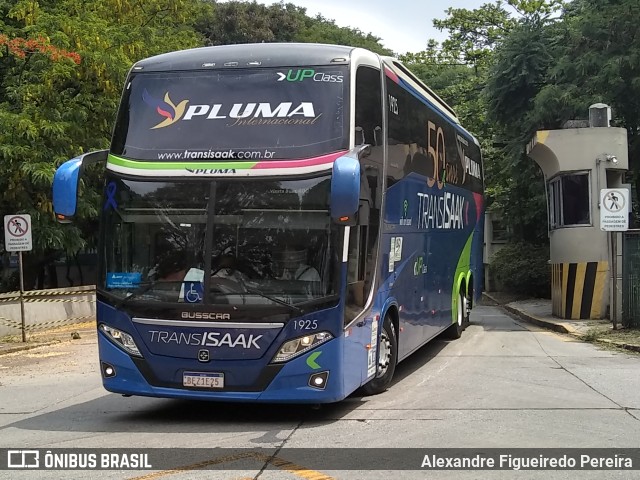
(291, 383)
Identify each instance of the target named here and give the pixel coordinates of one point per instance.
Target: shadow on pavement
(113, 413)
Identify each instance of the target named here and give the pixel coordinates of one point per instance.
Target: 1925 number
(305, 324)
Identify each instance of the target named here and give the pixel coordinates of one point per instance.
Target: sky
(403, 25)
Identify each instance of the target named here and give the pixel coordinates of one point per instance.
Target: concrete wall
(46, 309)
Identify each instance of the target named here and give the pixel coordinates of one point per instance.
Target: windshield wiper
(297, 310)
(252, 291)
(144, 288)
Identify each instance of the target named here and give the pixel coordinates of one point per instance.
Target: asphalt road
(504, 384)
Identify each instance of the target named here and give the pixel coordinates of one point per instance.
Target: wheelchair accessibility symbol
(193, 292)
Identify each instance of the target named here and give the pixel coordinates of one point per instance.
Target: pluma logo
(165, 108)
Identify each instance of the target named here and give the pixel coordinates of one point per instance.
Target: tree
(469, 68)
(550, 69)
(322, 30)
(599, 62)
(522, 63)
(251, 22)
(63, 64)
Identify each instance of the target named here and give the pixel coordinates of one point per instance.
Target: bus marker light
(319, 380)
(107, 370)
(368, 346)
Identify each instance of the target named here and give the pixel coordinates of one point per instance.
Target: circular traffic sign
(614, 202)
(17, 226)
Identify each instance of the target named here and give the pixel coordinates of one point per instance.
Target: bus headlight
(293, 348)
(122, 339)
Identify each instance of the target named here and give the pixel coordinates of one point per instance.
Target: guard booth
(578, 161)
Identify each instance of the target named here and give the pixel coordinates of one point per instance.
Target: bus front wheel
(387, 359)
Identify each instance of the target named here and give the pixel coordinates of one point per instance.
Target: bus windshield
(233, 115)
(263, 242)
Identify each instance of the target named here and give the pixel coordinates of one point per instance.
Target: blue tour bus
(333, 200)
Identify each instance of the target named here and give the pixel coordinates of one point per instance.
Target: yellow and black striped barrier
(36, 296)
(44, 325)
(59, 300)
(578, 289)
(44, 296)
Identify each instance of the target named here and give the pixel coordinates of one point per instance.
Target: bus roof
(248, 55)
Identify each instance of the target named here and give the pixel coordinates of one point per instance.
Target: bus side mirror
(345, 186)
(66, 183)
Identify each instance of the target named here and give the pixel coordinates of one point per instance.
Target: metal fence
(631, 279)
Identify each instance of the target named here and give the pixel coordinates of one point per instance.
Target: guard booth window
(569, 200)
(363, 237)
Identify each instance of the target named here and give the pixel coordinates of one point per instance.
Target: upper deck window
(233, 115)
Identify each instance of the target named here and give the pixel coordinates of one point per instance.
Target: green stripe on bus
(464, 263)
(134, 164)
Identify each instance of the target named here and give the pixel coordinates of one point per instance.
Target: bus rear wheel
(387, 359)
(455, 330)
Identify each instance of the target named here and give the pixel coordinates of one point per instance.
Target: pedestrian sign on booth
(614, 211)
(17, 233)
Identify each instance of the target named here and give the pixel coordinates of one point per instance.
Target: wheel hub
(384, 356)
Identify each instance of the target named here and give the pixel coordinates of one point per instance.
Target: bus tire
(455, 330)
(387, 360)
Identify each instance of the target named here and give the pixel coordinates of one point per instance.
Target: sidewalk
(43, 338)
(538, 312)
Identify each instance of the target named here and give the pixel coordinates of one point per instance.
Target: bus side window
(368, 107)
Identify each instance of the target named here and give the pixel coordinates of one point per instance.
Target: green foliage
(252, 22)
(508, 68)
(322, 30)
(491, 70)
(600, 62)
(523, 268)
(474, 33)
(62, 66)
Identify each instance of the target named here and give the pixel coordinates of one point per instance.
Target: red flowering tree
(21, 47)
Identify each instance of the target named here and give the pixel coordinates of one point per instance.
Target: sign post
(614, 217)
(17, 238)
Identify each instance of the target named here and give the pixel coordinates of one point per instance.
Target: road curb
(25, 346)
(560, 327)
(557, 327)
(626, 346)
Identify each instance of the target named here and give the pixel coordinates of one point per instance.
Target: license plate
(203, 380)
